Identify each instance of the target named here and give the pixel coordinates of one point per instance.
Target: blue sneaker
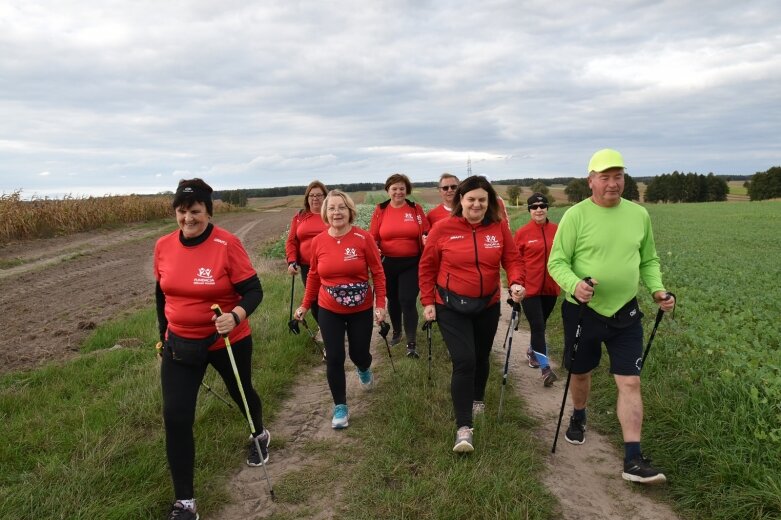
(366, 377)
(341, 415)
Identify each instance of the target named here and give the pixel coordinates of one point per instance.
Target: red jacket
(437, 214)
(348, 259)
(399, 231)
(534, 242)
(303, 228)
(465, 258)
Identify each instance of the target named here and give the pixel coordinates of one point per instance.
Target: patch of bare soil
(67, 286)
(585, 478)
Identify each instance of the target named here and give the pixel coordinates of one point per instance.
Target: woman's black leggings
(469, 339)
(358, 326)
(537, 310)
(315, 307)
(181, 384)
(401, 284)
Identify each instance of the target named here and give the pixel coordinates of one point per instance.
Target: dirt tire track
(586, 479)
(69, 285)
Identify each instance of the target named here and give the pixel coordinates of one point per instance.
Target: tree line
(765, 185)
(691, 187)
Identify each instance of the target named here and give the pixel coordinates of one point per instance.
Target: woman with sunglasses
(534, 242)
(448, 183)
(306, 225)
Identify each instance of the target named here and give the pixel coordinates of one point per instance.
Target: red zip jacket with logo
(534, 242)
(399, 231)
(303, 228)
(465, 259)
(194, 278)
(343, 260)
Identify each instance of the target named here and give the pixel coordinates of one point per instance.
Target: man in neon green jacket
(608, 239)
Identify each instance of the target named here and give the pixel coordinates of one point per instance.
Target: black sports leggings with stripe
(181, 384)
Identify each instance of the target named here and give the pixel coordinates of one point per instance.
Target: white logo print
(639, 364)
(408, 217)
(350, 254)
(456, 237)
(204, 277)
(491, 242)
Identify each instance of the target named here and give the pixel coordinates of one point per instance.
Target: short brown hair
(312, 185)
(473, 183)
(347, 201)
(399, 177)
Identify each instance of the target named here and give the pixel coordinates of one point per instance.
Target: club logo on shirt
(408, 217)
(350, 254)
(491, 242)
(204, 277)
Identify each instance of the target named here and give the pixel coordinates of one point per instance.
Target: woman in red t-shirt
(398, 225)
(196, 266)
(459, 288)
(343, 260)
(306, 225)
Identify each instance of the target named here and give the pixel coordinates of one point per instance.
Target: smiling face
(316, 197)
(606, 187)
(193, 220)
(474, 204)
(397, 193)
(338, 214)
(539, 212)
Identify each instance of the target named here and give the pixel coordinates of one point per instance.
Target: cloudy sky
(116, 97)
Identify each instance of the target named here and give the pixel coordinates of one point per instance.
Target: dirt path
(66, 286)
(587, 478)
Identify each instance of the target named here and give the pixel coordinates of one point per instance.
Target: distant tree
(577, 190)
(540, 187)
(765, 185)
(716, 188)
(514, 194)
(630, 188)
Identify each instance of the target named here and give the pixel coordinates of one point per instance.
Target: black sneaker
(395, 339)
(253, 458)
(179, 512)
(412, 351)
(576, 433)
(639, 469)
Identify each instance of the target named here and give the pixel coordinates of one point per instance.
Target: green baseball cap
(605, 159)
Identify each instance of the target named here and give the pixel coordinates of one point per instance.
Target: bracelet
(236, 317)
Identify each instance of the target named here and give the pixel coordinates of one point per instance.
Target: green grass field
(84, 438)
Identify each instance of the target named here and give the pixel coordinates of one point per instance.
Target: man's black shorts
(624, 345)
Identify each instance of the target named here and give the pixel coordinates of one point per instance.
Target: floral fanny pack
(350, 294)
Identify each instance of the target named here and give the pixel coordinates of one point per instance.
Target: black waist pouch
(464, 304)
(189, 351)
(624, 317)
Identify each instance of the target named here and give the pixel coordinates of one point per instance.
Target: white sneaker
(366, 378)
(341, 416)
(478, 408)
(464, 440)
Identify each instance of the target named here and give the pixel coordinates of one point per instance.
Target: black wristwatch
(236, 318)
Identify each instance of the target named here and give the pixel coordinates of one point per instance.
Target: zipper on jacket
(545, 255)
(477, 260)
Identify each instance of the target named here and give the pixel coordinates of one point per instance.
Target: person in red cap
(603, 248)
(534, 241)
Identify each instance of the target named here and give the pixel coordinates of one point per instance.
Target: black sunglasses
(538, 206)
(449, 187)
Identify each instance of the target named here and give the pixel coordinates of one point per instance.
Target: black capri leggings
(537, 310)
(180, 385)
(469, 339)
(358, 326)
(401, 283)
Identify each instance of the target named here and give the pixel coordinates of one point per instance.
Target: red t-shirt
(465, 258)
(534, 243)
(338, 261)
(193, 278)
(399, 231)
(438, 213)
(303, 228)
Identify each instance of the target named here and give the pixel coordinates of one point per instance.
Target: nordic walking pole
(384, 329)
(218, 312)
(159, 349)
(427, 327)
(513, 325)
(659, 316)
(292, 324)
(571, 363)
(314, 339)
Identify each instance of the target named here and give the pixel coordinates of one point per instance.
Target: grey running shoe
(532, 359)
(464, 440)
(179, 512)
(576, 433)
(639, 469)
(478, 408)
(548, 377)
(253, 458)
